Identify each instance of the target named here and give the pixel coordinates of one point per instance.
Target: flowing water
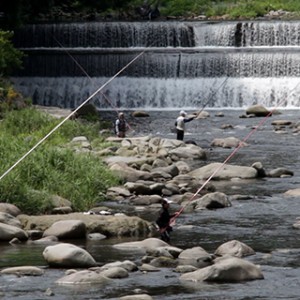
(224, 66)
(264, 222)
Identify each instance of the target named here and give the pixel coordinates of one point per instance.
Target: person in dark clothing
(163, 220)
(180, 124)
(121, 126)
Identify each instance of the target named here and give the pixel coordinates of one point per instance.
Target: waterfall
(184, 64)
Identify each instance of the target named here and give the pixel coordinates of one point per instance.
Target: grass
(233, 9)
(53, 168)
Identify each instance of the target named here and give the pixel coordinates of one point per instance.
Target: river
(264, 221)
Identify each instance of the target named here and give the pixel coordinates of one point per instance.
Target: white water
(152, 93)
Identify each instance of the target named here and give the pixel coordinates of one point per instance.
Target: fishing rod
(211, 96)
(71, 114)
(240, 145)
(86, 74)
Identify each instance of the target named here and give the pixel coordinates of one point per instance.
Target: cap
(166, 200)
(182, 113)
(121, 114)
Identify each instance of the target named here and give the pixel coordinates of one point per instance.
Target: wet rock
(67, 229)
(234, 248)
(8, 232)
(68, 255)
(10, 209)
(84, 277)
(23, 271)
(229, 269)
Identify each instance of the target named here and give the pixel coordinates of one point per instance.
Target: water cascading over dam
(184, 64)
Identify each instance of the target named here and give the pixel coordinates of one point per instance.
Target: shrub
(52, 168)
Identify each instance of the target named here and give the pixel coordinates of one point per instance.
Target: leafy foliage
(10, 57)
(53, 168)
(18, 12)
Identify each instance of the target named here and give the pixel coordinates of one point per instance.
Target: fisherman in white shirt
(180, 124)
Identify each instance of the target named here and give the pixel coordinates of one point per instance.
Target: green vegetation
(54, 167)
(10, 58)
(18, 12)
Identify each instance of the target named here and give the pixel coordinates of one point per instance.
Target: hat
(166, 200)
(182, 113)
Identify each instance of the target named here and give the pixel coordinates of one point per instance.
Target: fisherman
(121, 126)
(180, 124)
(163, 220)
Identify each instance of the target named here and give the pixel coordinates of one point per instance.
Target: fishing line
(71, 114)
(86, 74)
(210, 98)
(241, 144)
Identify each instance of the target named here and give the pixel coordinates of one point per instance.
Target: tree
(10, 57)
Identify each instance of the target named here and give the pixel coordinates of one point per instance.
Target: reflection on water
(264, 222)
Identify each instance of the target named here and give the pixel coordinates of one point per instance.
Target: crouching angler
(163, 221)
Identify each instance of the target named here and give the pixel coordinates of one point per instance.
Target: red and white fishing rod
(172, 220)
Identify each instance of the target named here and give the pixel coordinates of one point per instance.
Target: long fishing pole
(172, 220)
(86, 74)
(71, 114)
(211, 96)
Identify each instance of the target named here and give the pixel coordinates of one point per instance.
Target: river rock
(224, 172)
(126, 264)
(129, 174)
(120, 225)
(8, 232)
(212, 201)
(280, 172)
(196, 257)
(234, 248)
(293, 193)
(67, 229)
(68, 255)
(257, 110)
(188, 151)
(9, 220)
(115, 272)
(23, 271)
(10, 209)
(144, 245)
(228, 269)
(229, 142)
(84, 277)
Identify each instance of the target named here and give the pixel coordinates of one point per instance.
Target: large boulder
(224, 172)
(120, 225)
(188, 151)
(144, 246)
(257, 110)
(227, 269)
(9, 220)
(234, 248)
(10, 209)
(196, 257)
(229, 142)
(68, 256)
(129, 174)
(67, 229)
(212, 201)
(8, 232)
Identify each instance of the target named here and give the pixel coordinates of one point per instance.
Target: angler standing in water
(163, 220)
(180, 124)
(121, 126)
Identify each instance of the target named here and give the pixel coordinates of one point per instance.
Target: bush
(10, 58)
(53, 168)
